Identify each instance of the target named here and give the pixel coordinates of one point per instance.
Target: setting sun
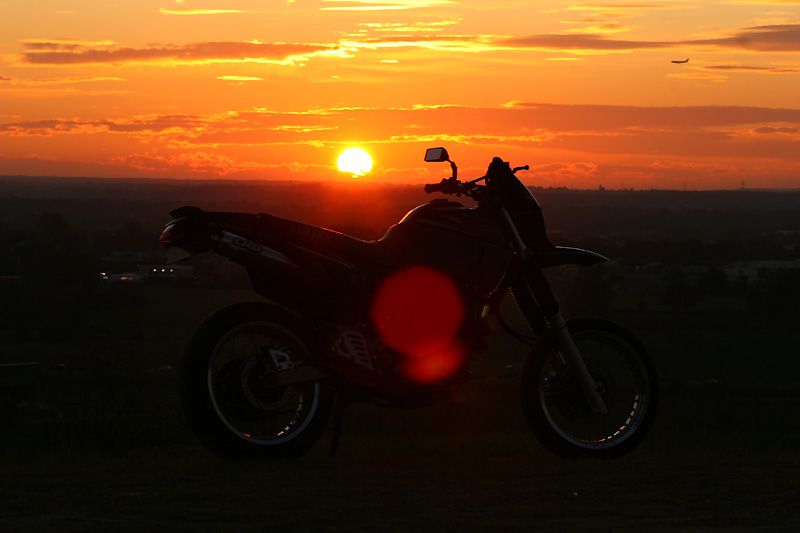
(355, 161)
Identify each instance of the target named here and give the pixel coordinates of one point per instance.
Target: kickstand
(338, 419)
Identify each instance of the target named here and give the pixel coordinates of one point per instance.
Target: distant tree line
(51, 276)
(54, 236)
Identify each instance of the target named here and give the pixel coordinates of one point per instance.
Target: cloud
(616, 8)
(143, 124)
(554, 42)
(763, 2)
(774, 38)
(407, 27)
(38, 87)
(63, 44)
(567, 144)
(603, 27)
(786, 130)
(550, 117)
(239, 78)
(209, 164)
(699, 76)
(39, 82)
(164, 11)
(698, 132)
(604, 19)
(48, 128)
(744, 68)
(769, 38)
(552, 122)
(583, 117)
(56, 53)
(383, 5)
(435, 42)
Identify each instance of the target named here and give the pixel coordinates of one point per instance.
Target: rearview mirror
(436, 155)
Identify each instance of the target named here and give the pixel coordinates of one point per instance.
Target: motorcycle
(397, 321)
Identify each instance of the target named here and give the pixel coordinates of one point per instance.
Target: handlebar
(433, 187)
(453, 186)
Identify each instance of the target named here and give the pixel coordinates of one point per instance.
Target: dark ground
(109, 451)
(453, 467)
(465, 492)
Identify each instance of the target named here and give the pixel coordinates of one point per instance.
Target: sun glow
(355, 161)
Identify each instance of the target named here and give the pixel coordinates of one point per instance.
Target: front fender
(569, 256)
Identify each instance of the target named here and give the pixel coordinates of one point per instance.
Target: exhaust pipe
(188, 236)
(243, 250)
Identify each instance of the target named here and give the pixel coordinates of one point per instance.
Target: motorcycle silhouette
(397, 322)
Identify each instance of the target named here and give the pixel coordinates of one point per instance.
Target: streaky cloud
(773, 38)
(762, 2)
(380, 5)
(427, 119)
(579, 42)
(63, 43)
(239, 78)
(217, 51)
(165, 11)
(560, 140)
(745, 68)
(59, 81)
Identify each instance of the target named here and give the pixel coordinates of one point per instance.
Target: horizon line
(365, 183)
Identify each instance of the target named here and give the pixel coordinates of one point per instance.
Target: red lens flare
(418, 312)
(434, 365)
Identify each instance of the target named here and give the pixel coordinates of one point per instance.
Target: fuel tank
(454, 239)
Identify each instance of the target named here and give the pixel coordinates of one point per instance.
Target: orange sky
(583, 92)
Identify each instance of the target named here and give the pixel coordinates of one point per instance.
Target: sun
(354, 160)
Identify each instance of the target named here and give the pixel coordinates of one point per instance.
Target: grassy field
(105, 446)
(713, 462)
(120, 387)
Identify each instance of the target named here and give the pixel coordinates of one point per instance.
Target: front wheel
(230, 386)
(556, 408)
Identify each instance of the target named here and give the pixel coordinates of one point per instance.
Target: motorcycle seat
(285, 235)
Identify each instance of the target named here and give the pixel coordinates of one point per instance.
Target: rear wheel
(230, 385)
(557, 410)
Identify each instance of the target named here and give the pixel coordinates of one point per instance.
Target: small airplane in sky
(684, 61)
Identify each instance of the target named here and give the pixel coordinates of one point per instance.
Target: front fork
(591, 388)
(535, 293)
